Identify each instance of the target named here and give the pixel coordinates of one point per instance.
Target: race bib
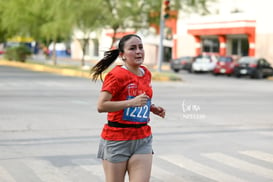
(137, 114)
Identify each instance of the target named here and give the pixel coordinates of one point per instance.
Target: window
(210, 45)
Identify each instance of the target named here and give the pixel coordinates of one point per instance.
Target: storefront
(235, 37)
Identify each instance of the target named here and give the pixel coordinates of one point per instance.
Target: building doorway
(239, 46)
(167, 54)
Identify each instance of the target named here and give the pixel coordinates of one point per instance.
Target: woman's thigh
(114, 172)
(139, 167)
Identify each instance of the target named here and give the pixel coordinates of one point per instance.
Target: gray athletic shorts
(120, 151)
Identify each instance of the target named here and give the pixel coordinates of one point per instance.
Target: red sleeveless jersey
(123, 85)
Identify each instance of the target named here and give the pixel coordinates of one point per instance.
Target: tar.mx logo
(191, 111)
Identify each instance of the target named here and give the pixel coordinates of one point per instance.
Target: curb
(43, 68)
(156, 76)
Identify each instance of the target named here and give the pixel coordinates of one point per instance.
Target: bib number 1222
(138, 114)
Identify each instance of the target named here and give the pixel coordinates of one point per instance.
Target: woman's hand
(139, 100)
(106, 105)
(157, 110)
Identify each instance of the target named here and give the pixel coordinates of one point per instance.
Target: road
(216, 129)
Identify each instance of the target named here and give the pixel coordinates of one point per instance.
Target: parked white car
(204, 63)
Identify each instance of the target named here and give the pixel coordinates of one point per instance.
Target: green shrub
(9, 53)
(18, 53)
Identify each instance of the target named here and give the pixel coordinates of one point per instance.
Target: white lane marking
(5, 176)
(266, 133)
(97, 169)
(241, 165)
(201, 169)
(259, 155)
(91, 166)
(164, 175)
(94, 169)
(46, 171)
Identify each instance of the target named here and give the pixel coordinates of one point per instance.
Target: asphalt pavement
(216, 128)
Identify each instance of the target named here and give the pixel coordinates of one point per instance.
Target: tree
(53, 20)
(87, 18)
(42, 19)
(58, 21)
(12, 16)
(136, 14)
(3, 32)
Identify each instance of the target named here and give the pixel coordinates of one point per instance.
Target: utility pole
(160, 47)
(164, 14)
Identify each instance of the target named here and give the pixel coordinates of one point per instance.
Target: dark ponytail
(104, 63)
(109, 58)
